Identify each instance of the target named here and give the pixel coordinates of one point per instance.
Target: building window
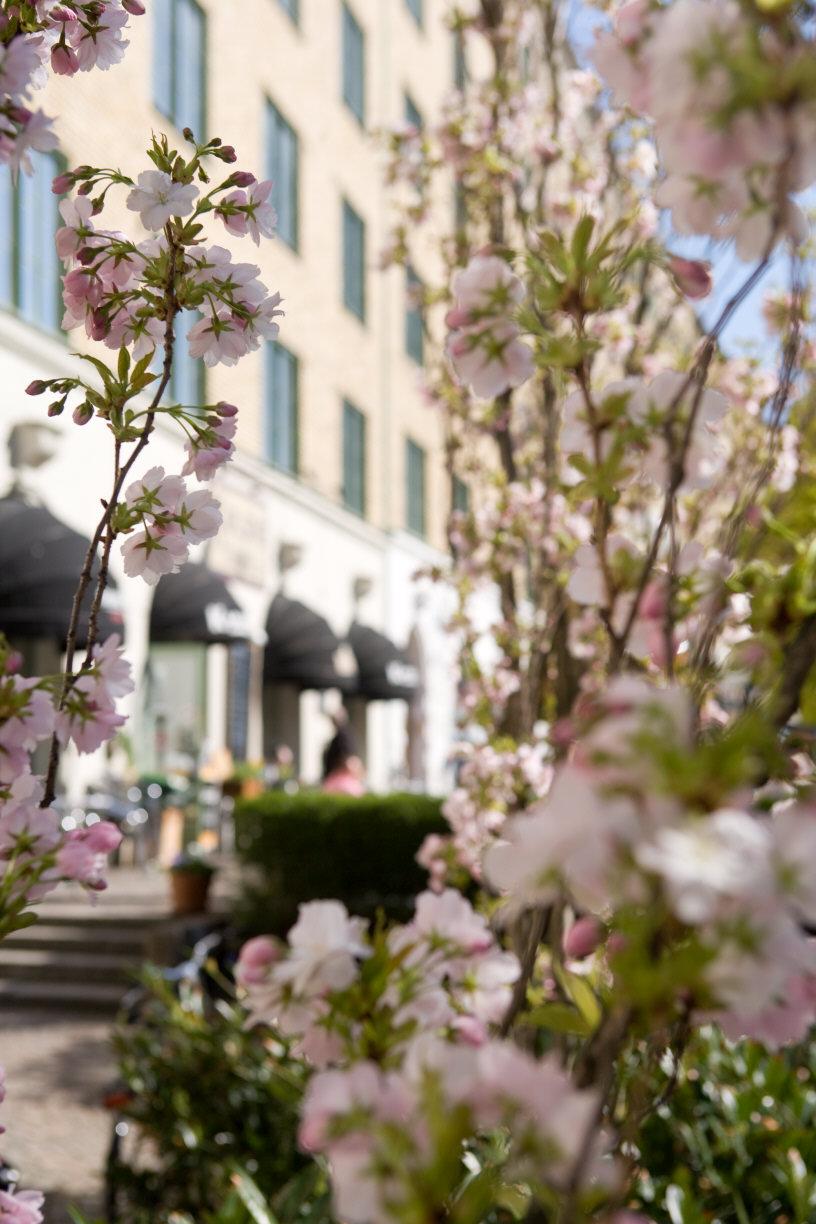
(460, 212)
(292, 7)
(179, 63)
(29, 266)
(460, 72)
(187, 375)
(353, 261)
(414, 487)
(460, 495)
(415, 9)
(281, 432)
(414, 337)
(353, 64)
(283, 161)
(413, 115)
(354, 458)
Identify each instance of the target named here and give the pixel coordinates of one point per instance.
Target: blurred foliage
(211, 1109)
(314, 845)
(735, 1142)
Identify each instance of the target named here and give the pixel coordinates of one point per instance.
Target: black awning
(303, 649)
(195, 605)
(41, 560)
(385, 671)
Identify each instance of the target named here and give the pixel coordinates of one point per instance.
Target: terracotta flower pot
(189, 890)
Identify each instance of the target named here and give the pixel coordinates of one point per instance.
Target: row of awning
(40, 559)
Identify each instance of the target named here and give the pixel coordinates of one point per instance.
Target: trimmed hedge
(312, 845)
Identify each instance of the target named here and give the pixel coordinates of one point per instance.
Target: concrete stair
(79, 957)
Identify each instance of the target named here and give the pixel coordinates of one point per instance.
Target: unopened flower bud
(227, 154)
(20, 114)
(62, 183)
(86, 189)
(243, 178)
(36, 387)
(226, 410)
(99, 325)
(693, 276)
(82, 414)
(135, 7)
(582, 938)
(188, 134)
(56, 407)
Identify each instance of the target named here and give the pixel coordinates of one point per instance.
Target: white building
(338, 493)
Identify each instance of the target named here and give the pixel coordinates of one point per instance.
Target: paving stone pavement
(58, 1068)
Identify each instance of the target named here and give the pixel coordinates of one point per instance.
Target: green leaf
(123, 365)
(581, 239)
(582, 995)
(559, 1018)
(252, 1198)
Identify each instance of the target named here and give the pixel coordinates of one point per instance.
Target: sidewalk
(58, 1061)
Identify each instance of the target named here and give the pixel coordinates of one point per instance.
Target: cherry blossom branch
(104, 528)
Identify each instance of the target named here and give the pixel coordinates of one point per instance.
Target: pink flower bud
(583, 937)
(64, 61)
(242, 178)
(256, 956)
(55, 408)
(36, 387)
(226, 410)
(82, 414)
(228, 154)
(20, 114)
(693, 276)
(62, 183)
(653, 602)
(99, 325)
(135, 7)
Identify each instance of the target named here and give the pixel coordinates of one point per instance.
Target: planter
(189, 890)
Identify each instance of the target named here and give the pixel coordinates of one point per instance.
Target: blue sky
(747, 327)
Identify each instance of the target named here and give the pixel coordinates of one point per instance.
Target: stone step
(65, 997)
(47, 965)
(74, 937)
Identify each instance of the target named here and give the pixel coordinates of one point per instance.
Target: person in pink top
(343, 771)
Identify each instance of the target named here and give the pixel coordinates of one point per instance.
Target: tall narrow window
(414, 337)
(460, 495)
(292, 7)
(179, 63)
(281, 432)
(415, 9)
(283, 162)
(460, 72)
(353, 64)
(187, 377)
(354, 296)
(413, 115)
(414, 487)
(354, 458)
(29, 267)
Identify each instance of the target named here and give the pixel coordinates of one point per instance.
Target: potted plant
(190, 876)
(246, 780)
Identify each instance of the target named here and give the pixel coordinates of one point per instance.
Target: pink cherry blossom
(150, 555)
(156, 198)
(325, 946)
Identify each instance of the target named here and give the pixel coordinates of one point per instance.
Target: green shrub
(312, 845)
(204, 1096)
(735, 1140)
